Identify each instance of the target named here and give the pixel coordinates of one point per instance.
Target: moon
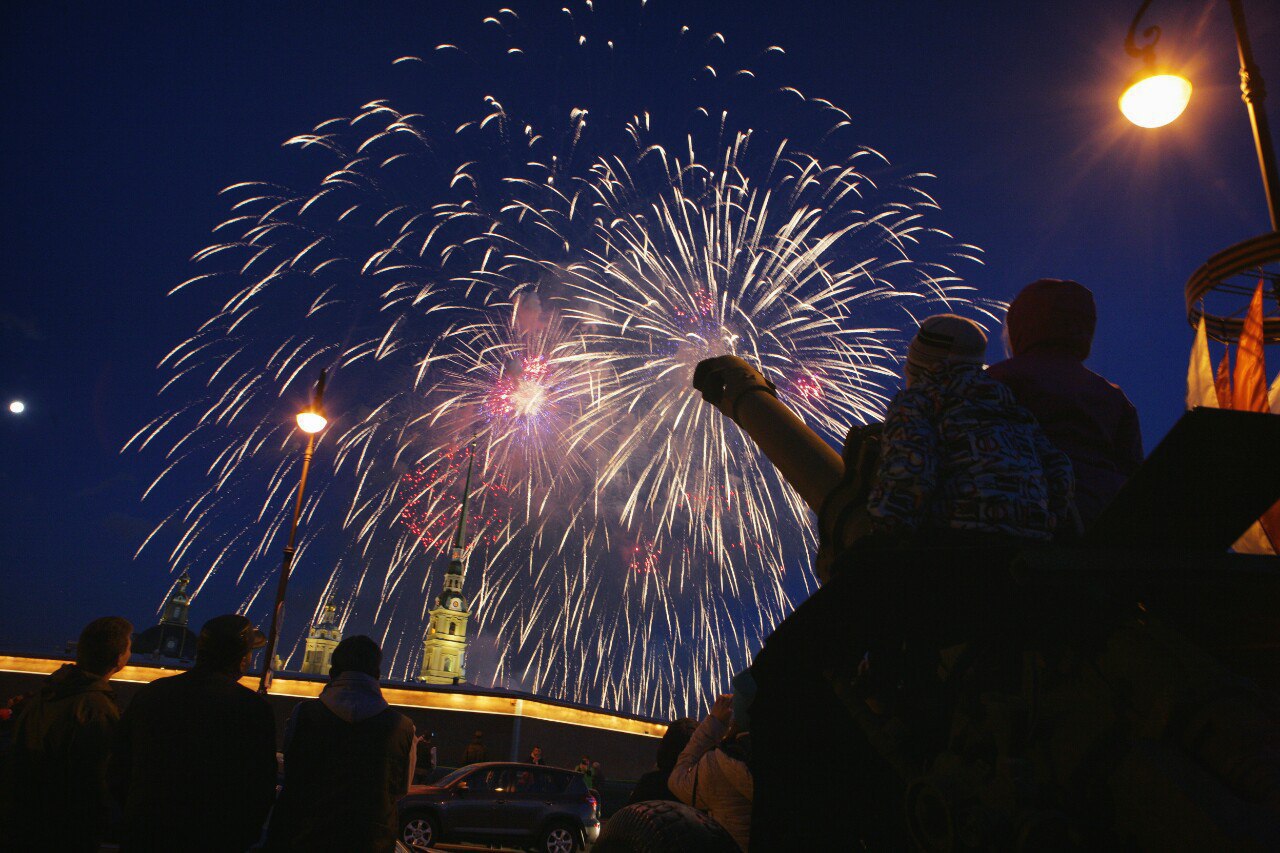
(17, 407)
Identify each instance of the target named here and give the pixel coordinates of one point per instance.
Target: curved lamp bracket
(1146, 52)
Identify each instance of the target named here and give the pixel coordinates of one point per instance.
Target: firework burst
(528, 268)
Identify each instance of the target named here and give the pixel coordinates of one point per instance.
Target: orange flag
(1223, 380)
(1250, 391)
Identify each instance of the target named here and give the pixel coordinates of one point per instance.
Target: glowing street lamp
(310, 421)
(1160, 96)
(1156, 100)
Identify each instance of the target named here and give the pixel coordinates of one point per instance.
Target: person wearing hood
(196, 757)
(1050, 328)
(348, 757)
(57, 796)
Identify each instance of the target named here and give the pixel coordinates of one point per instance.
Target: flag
(1249, 391)
(1250, 395)
(1222, 381)
(1200, 388)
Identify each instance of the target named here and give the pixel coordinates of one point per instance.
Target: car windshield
(453, 777)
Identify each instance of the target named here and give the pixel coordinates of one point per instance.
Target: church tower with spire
(176, 605)
(322, 639)
(444, 648)
(171, 638)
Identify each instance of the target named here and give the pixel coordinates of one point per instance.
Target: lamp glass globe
(311, 421)
(1156, 100)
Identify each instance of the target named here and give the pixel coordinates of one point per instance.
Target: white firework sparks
(540, 290)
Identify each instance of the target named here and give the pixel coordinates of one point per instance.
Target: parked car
(511, 804)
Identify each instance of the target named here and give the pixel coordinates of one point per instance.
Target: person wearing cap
(196, 758)
(348, 757)
(1050, 328)
(959, 458)
(55, 794)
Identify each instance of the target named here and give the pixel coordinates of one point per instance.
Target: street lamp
(1159, 96)
(1156, 100)
(310, 421)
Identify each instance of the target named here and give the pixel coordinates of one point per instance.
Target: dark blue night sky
(123, 121)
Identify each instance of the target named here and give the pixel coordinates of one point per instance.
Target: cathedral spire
(444, 648)
(458, 556)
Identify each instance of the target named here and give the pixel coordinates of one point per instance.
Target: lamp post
(1160, 97)
(310, 421)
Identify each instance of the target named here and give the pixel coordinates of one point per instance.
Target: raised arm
(683, 779)
(742, 393)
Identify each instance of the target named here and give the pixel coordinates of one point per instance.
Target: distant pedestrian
(653, 785)
(588, 772)
(55, 796)
(197, 751)
(712, 773)
(348, 757)
(426, 758)
(535, 755)
(597, 775)
(475, 751)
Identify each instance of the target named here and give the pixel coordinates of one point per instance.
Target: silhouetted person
(56, 796)
(958, 456)
(963, 478)
(475, 751)
(348, 757)
(711, 773)
(653, 785)
(535, 755)
(1050, 327)
(197, 751)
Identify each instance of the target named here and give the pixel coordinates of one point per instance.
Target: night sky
(123, 121)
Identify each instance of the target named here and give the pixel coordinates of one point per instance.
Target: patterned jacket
(958, 452)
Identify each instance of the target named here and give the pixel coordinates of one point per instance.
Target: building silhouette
(171, 638)
(444, 648)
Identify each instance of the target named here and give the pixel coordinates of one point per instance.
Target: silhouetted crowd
(191, 764)
(1028, 450)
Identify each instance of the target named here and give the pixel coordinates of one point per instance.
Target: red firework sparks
(807, 386)
(643, 559)
(433, 493)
